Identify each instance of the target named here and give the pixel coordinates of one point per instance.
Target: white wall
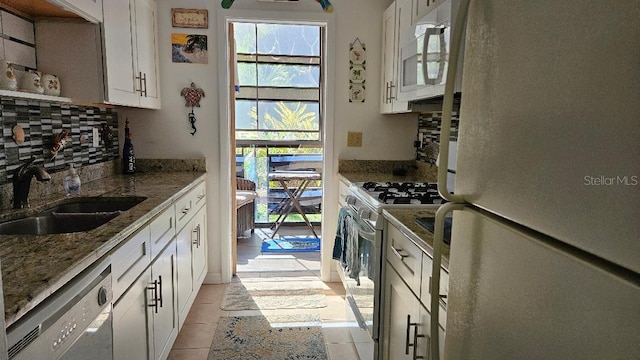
(166, 133)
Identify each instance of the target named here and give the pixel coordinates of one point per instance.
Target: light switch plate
(354, 139)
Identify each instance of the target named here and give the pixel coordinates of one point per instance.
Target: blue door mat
(291, 244)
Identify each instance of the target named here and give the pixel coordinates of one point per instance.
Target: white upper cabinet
(115, 62)
(119, 56)
(130, 51)
(146, 40)
(90, 10)
(423, 7)
(396, 19)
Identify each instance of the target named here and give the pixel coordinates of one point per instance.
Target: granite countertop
(355, 177)
(406, 219)
(34, 266)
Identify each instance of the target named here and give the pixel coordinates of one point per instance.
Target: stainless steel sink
(76, 215)
(96, 205)
(56, 223)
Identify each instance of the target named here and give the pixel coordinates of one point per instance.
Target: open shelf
(26, 95)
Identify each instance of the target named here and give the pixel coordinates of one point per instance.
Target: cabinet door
(165, 317)
(404, 18)
(423, 7)
(146, 45)
(120, 72)
(388, 33)
(199, 248)
(130, 331)
(184, 272)
(401, 318)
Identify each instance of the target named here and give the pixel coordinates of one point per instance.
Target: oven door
(359, 260)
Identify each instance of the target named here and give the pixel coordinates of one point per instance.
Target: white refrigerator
(545, 255)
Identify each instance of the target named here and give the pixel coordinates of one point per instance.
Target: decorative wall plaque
(357, 71)
(190, 18)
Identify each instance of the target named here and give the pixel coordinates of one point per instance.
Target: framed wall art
(189, 48)
(190, 18)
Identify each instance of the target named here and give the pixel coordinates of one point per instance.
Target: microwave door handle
(443, 56)
(428, 35)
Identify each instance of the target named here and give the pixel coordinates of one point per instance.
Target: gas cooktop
(403, 193)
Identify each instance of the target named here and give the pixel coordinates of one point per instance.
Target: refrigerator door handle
(438, 244)
(447, 105)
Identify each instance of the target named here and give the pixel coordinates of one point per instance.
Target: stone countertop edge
(356, 177)
(406, 219)
(35, 266)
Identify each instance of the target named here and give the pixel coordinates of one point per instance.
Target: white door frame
(329, 192)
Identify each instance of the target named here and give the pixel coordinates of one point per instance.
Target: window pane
(288, 39)
(247, 74)
(288, 75)
(288, 115)
(245, 36)
(245, 118)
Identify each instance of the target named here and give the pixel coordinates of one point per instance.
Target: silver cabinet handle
(139, 78)
(406, 339)
(397, 253)
(154, 288)
(196, 231)
(143, 91)
(391, 87)
(159, 291)
(407, 344)
(415, 344)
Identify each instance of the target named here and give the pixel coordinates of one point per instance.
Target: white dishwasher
(75, 322)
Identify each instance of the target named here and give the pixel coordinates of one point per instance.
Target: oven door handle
(370, 236)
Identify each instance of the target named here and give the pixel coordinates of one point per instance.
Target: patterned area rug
(266, 295)
(277, 337)
(291, 244)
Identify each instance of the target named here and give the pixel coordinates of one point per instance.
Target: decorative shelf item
(357, 71)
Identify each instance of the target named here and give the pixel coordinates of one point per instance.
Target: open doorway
(278, 142)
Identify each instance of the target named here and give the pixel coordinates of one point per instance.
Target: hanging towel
(346, 247)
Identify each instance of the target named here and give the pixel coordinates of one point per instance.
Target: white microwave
(424, 55)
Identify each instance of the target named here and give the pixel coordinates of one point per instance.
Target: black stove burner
(400, 187)
(410, 198)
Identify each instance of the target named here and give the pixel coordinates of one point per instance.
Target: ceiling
(35, 9)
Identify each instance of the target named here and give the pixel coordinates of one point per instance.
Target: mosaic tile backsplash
(428, 140)
(41, 122)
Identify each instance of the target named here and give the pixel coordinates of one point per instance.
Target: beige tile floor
(337, 320)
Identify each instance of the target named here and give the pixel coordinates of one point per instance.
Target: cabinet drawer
(129, 261)
(405, 257)
(162, 230)
(425, 289)
(187, 205)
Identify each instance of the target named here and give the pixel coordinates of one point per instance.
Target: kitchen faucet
(22, 182)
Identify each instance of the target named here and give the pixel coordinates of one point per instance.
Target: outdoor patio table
(293, 197)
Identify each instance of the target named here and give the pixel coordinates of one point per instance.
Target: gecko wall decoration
(192, 96)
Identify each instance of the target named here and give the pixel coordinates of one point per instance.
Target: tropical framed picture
(189, 48)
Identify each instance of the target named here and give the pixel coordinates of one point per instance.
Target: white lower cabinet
(157, 273)
(145, 317)
(406, 329)
(405, 326)
(192, 261)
